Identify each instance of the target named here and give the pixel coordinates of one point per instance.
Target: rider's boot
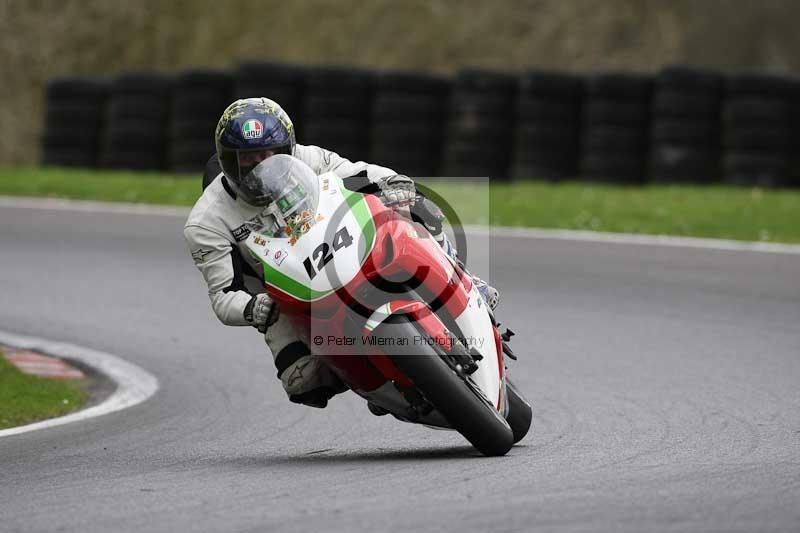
(305, 377)
(489, 294)
(309, 381)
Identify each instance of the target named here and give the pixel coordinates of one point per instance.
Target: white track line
(634, 238)
(62, 204)
(58, 204)
(134, 385)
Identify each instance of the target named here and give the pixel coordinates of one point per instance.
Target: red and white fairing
(324, 271)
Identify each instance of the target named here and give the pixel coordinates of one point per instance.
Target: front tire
(519, 411)
(469, 414)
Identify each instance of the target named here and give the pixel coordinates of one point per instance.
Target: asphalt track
(664, 382)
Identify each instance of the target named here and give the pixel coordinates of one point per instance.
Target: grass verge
(136, 187)
(25, 398)
(715, 211)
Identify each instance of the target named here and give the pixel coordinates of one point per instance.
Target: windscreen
(294, 189)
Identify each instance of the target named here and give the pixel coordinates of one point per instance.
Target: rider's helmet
(249, 131)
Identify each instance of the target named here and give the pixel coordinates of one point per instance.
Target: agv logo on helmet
(252, 129)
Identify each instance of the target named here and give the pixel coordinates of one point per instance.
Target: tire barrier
(336, 110)
(73, 121)
(681, 125)
(135, 134)
(408, 115)
(685, 131)
(547, 134)
(616, 117)
(198, 99)
(760, 133)
(480, 124)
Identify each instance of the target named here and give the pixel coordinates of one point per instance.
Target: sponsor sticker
(252, 129)
(259, 240)
(279, 256)
(298, 225)
(241, 233)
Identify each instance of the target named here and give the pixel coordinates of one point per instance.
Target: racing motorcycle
(396, 318)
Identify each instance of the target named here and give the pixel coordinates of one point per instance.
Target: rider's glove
(261, 311)
(397, 190)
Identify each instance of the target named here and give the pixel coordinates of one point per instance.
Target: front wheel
(466, 410)
(519, 411)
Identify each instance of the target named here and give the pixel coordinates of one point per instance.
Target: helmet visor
(237, 165)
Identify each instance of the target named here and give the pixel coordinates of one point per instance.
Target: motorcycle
(397, 319)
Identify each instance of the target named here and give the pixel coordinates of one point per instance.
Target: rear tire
(473, 417)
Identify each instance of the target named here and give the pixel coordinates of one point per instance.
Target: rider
(250, 131)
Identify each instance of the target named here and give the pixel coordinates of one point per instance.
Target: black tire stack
(760, 132)
(73, 121)
(136, 122)
(280, 82)
(480, 126)
(616, 115)
(548, 130)
(408, 115)
(198, 99)
(685, 132)
(336, 111)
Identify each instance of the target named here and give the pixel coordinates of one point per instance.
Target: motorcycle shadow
(334, 456)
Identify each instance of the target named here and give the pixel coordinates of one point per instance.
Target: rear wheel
(449, 391)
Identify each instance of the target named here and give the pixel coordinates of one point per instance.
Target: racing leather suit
(216, 232)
